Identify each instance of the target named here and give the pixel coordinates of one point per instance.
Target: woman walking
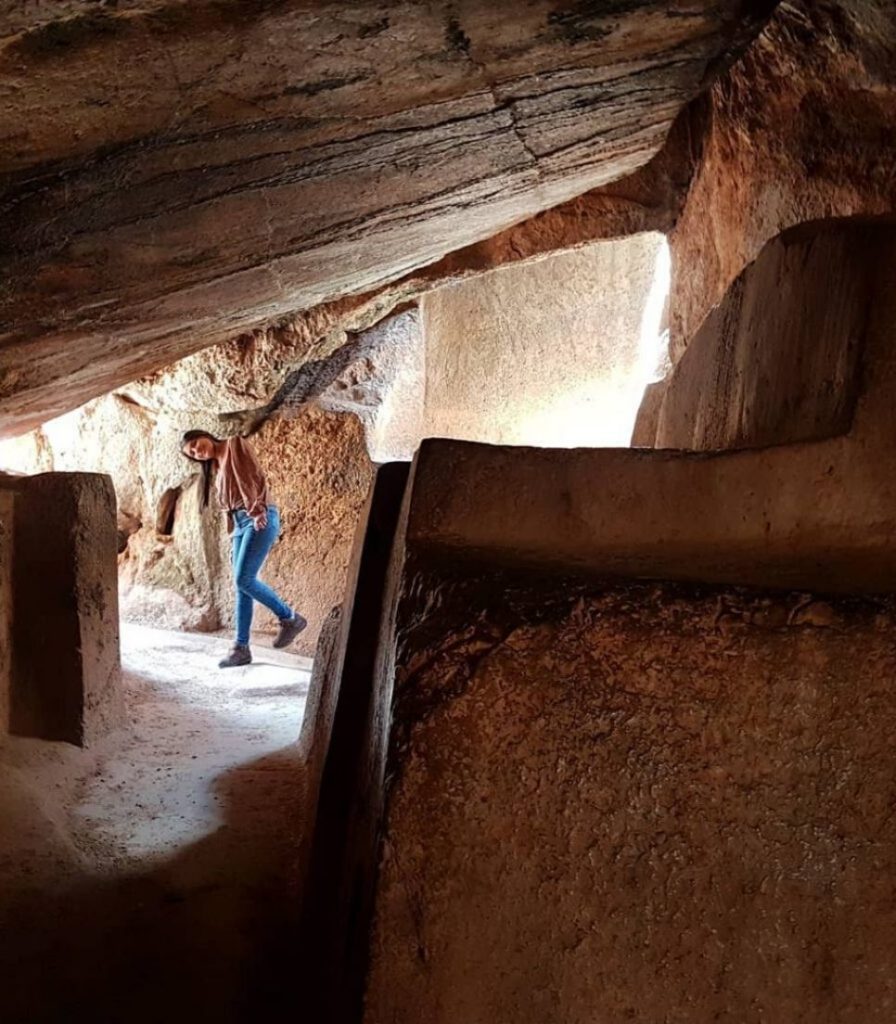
(254, 524)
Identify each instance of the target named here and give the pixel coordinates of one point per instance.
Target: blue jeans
(250, 549)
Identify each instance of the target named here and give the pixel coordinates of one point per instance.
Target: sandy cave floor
(152, 877)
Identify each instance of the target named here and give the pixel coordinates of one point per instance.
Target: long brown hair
(208, 465)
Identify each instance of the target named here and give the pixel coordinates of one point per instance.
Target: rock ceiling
(175, 173)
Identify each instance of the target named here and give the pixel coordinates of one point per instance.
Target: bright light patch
(592, 416)
(600, 412)
(654, 348)
(18, 454)
(57, 445)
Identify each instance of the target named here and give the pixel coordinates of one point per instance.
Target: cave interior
(565, 334)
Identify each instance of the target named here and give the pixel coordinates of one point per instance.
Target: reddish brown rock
(650, 804)
(779, 359)
(733, 517)
(7, 526)
(546, 780)
(799, 129)
(174, 561)
(254, 373)
(66, 664)
(320, 474)
(346, 730)
(513, 672)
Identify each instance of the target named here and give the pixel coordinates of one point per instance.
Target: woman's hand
(261, 520)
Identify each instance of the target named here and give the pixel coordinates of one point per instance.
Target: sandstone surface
(554, 353)
(516, 650)
(732, 516)
(637, 803)
(761, 372)
(799, 129)
(7, 527)
(385, 387)
(177, 174)
(66, 663)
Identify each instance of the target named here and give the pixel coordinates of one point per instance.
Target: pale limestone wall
(551, 353)
(555, 353)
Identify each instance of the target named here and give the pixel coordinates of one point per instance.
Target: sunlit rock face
(782, 358)
(554, 354)
(385, 386)
(176, 174)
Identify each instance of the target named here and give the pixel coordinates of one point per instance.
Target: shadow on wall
(550, 353)
(210, 934)
(555, 352)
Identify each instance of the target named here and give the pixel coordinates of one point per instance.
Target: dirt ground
(152, 877)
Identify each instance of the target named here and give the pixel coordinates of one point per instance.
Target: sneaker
(239, 655)
(290, 629)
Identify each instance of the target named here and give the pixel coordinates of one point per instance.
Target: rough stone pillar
(66, 653)
(6, 540)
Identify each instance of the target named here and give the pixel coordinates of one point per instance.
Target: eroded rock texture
(739, 516)
(7, 510)
(555, 344)
(66, 664)
(554, 353)
(801, 128)
(631, 800)
(306, 349)
(384, 386)
(176, 174)
(779, 359)
(645, 803)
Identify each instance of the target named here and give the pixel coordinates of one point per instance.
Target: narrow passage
(156, 870)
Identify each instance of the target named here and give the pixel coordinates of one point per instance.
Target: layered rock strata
(177, 174)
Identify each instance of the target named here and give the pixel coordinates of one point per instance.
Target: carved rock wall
(556, 339)
(7, 533)
(780, 359)
(555, 353)
(800, 128)
(650, 804)
(385, 386)
(252, 375)
(640, 800)
(61, 603)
